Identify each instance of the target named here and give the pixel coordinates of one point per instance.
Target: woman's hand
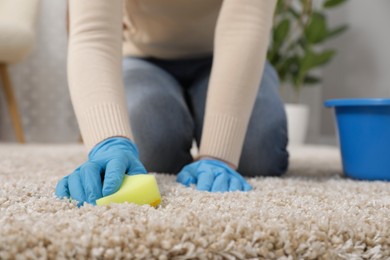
(212, 175)
(103, 173)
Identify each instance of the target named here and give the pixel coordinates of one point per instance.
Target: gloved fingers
(237, 175)
(136, 167)
(244, 184)
(247, 186)
(91, 181)
(76, 189)
(185, 177)
(113, 177)
(235, 184)
(205, 181)
(221, 183)
(62, 189)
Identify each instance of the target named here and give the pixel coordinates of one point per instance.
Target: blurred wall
(40, 83)
(362, 66)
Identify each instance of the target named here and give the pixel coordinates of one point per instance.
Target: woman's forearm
(241, 42)
(94, 69)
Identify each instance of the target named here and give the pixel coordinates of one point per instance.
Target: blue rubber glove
(212, 175)
(103, 173)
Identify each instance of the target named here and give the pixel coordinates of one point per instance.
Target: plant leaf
(316, 30)
(281, 32)
(287, 67)
(312, 60)
(293, 12)
(280, 6)
(336, 31)
(333, 3)
(311, 80)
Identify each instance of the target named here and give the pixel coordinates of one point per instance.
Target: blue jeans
(166, 104)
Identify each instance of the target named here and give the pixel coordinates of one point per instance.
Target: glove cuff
(115, 141)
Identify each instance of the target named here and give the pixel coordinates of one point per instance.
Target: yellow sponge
(139, 189)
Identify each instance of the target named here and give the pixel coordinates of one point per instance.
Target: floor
(313, 212)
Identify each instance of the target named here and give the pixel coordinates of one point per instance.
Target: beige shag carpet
(311, 213)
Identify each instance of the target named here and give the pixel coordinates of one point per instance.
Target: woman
(175, 53)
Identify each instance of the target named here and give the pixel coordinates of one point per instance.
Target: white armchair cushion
(17, 28)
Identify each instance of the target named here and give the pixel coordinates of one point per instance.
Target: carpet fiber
(310, 213)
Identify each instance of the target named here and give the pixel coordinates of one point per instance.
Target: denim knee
(268, 156)
(265, 147)
(163, 131)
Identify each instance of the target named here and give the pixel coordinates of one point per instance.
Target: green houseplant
(300, 30)
(297, 51)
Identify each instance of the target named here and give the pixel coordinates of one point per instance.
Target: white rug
(311, 213)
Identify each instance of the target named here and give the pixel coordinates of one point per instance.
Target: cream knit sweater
(101, 31)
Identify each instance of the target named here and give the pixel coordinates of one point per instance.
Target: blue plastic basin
(363, 128)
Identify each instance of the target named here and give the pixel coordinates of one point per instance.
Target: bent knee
(265, 154)
(274, 163)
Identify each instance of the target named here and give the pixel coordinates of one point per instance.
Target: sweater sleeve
(240, 46)
(94, 70)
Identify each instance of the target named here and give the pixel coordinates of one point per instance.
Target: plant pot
(297, 123)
